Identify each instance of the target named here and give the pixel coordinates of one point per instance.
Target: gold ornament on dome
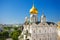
(33, 10)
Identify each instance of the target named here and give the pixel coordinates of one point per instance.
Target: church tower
(43, 18)
(33, 14)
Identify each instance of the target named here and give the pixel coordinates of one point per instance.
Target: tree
(4, 35)
(15, 34)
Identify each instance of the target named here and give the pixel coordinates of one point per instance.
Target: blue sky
(15, 11)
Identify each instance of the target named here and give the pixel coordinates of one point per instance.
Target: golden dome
(33, 10)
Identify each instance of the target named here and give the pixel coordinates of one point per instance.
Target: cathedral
(38, 30)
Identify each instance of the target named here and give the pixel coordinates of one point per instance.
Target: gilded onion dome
(33, 10)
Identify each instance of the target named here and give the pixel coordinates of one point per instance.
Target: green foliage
(15, 28)
(19, 32)
(15, 34)
(7, 28)
(4, 35)
(2, 38)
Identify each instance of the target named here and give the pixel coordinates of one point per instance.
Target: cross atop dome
(33, 10)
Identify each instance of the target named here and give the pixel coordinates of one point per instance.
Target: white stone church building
(38, 30)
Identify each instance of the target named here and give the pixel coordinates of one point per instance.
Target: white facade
(42, 31)
(33, 18)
